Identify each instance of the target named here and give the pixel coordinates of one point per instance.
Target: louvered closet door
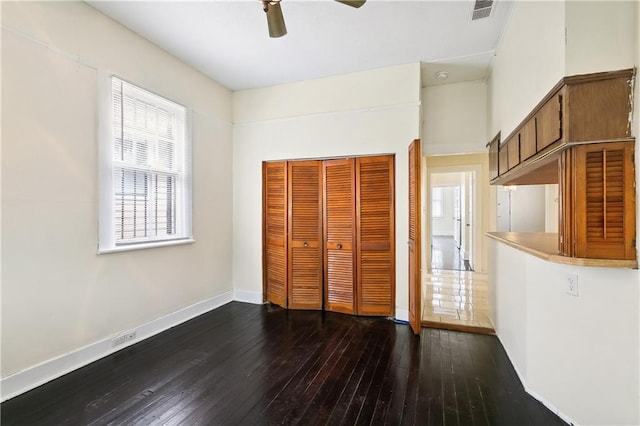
(414, 242)
(274, 183)
(339, 235)
(375, 235)
(305, 234)
(604, 183)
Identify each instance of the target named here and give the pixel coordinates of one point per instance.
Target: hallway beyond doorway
(445, 254)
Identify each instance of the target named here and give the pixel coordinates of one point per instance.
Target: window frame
(106, 212)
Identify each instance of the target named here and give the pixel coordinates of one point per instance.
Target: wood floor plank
(260, 364)
(410, 404)
(399, 376)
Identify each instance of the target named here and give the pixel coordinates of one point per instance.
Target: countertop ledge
(545, 246)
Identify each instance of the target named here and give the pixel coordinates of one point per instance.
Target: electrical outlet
(571, 283)
(124, 338)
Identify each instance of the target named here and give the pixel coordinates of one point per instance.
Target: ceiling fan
(275, 20)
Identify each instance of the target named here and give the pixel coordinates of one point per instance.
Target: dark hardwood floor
(247, 364)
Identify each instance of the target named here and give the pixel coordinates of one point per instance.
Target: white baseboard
(37, 375)
(531, 392)
(254, 297)
(402, 314)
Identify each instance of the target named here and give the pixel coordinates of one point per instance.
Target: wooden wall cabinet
(579, 137)
(329, 234)
(579, 109)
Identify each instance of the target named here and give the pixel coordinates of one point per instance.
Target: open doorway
(451, 206)
(457, 212)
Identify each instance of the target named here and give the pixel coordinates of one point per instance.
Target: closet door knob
(339, 246)
(306, 244)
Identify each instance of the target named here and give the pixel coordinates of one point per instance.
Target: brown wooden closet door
(339, 235)
(305, 234)
(375, 235)
(274, 187)
(415, 294)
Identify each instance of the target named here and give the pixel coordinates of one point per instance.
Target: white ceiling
(228, 40)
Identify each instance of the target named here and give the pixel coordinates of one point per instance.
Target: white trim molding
(530, 391)
(402, 314)
(42, 373)
(254, 297)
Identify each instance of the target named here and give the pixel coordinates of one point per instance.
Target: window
(436, 202)
(145, 171)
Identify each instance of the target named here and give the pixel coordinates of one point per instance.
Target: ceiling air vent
(481, 9)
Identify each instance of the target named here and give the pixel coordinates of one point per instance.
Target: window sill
(144, 246)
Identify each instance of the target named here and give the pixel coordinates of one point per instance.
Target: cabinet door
(528, 139)
(605, 201)
(339, 235)
(503, 159)
(274, 187)
(549, 123)
(513, 150)
(493, 157)
(305, 234)
(375, 251)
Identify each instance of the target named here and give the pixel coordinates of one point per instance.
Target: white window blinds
(150, 180)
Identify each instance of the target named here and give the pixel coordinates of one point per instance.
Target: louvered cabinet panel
(274, 187)
(339, 235)
(605, 201)
(305, 235)
(375, 235)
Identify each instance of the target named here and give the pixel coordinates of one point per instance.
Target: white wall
(551, 208)
(529, 61)
(578, 354)
(455, 118)
(528, 208)
(599, 36)
(371, 112)
(58, 295)
(549, 335)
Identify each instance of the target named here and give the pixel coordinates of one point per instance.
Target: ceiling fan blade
(352, 3)
(275, 20)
